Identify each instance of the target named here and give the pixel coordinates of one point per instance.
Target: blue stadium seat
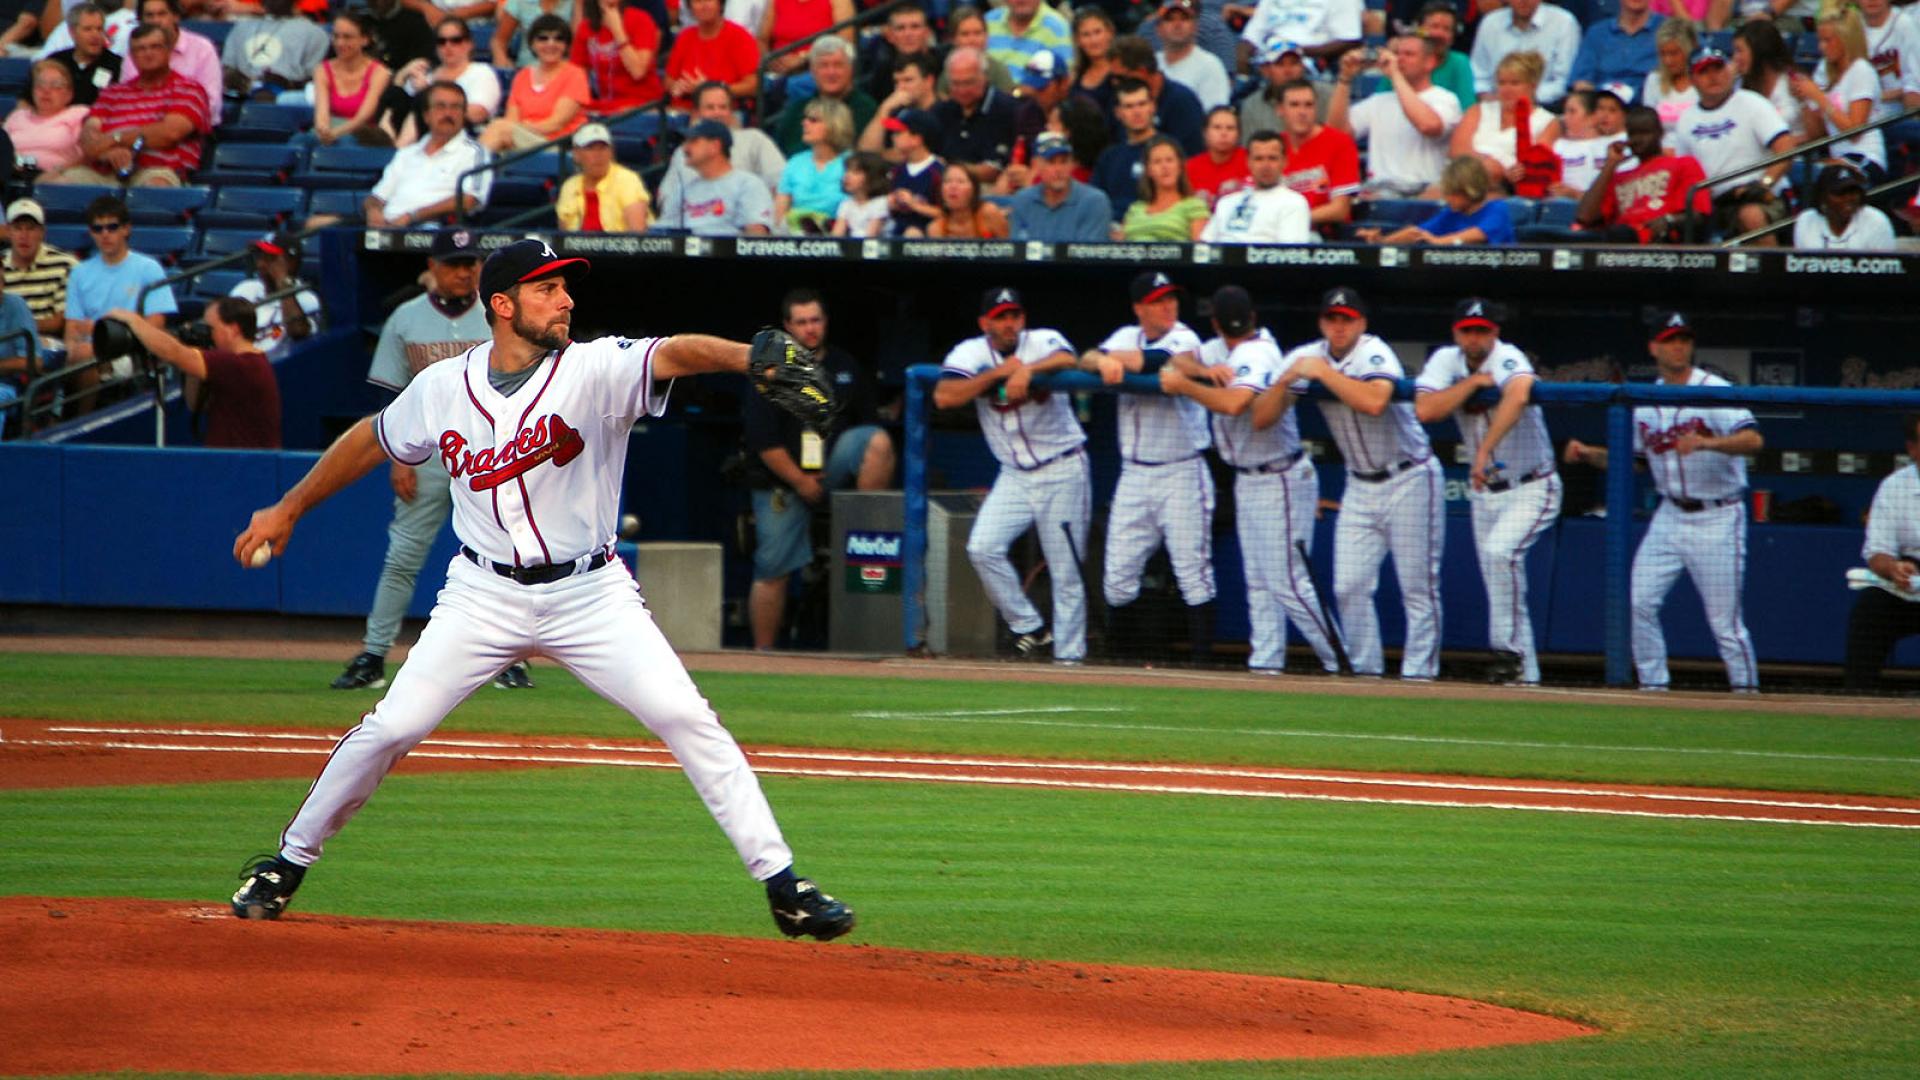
(214, 284)
(1556, 212)
(1397, 212)
(168, 243)
(1718, 39)
(253, 163)
(68, 202)
(16, 75)
(215, 243)
(1806, 51)
(244, 206)
(644, 125)
(1521, 211)
(166, 206)
(268, 123)
(70, 237)
(343, 166)
(340, 202)
(482, 37)
(213, 31)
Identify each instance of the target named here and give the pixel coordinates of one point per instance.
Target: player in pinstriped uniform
(1516, 493)
(1275, 487)
(1698, 457)
(1395, 500)
(1165, 493)
(1043, 483)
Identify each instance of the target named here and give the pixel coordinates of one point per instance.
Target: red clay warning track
(106, 985)
(37, 753)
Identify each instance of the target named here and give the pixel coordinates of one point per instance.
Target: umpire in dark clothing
(1892, 550)
(807, 464)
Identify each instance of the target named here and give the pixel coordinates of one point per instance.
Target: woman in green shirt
(1168, 209)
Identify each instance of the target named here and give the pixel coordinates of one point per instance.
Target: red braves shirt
(732, 55)
(1217, 179)
(613, 87)
(1326, 165)
(128, 104)
(1655, 188)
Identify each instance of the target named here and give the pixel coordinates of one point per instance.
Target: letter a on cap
(1477, 310)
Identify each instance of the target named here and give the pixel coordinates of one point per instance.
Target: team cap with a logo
(525, 261)
(1673, 324)
(456, 245)
(999, 301)
(1476, 313)
(1151, 285)
(1343, 301)
(1233, 310)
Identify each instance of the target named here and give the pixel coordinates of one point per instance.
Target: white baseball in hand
(261, 556)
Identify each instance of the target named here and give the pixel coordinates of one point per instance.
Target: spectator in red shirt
(1222, 168)
(148, 132)
(1323, 164)
(617, 46)
(232, 383)
(712, 50)
(1646, 204)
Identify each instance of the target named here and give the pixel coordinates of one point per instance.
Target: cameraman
(231, 382)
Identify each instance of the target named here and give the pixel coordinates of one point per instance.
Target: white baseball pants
(1272, 512)
(1506, 524)
(1711, 546)
(1054, 498)
(594, 624)
(1156, 504)
(1403, 516)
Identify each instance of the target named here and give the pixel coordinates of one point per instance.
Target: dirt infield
(105, 985)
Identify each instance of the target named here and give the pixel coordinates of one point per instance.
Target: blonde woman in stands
(347, 89)
(548, 99)
(1842, 93)
(1490, 130)
(46, 126)
(1669, 87)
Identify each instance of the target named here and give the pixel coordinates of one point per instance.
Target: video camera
(113, 339)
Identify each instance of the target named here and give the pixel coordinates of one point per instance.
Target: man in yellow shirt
(604, 196)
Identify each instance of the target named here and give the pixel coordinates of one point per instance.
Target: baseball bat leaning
(1327, 624)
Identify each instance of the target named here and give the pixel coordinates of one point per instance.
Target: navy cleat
(799, 907)
(269, 882)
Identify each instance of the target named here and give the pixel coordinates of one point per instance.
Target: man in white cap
(604, 196)
(36, 271)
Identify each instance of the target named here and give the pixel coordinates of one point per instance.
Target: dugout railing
(1621, 493)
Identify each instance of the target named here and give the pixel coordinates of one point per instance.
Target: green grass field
(1704, 949)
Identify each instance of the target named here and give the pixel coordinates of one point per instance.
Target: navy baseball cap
(1051, 144)
(525, 261)
(1672, 324)
(1476, 313)
(279, 243)
(1707, 56)
(919, 121)
(1041, 71)
(999, 301)
(712, 129)
(1343, 301)
(1840, 176)
(1151, 285)
(1232, 310)
(455, 245)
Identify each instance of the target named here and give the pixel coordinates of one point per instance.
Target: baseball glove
(790, 377)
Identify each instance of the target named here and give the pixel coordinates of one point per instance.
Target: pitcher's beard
(552, 336)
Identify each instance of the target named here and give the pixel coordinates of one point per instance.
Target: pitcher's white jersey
(1369, 443)
(1526, 450)
(1706, 475)
(536, 475)
(1034, 431)
(1155, 429)
(1256, 363)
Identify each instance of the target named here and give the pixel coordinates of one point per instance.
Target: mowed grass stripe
(1706, 950)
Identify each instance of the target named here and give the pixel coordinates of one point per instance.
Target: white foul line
(666, 762)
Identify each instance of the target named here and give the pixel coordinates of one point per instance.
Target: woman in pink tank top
(347, 88)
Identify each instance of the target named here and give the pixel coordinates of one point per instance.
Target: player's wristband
(1152, 360)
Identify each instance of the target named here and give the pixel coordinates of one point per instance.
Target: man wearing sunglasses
(113, 277)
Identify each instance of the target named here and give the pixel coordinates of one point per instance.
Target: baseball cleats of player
(1029, 645)
(514, 677)
(364, 672)
(1507, 667)
(268, 883)
(799, 907)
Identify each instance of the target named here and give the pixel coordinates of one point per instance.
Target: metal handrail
(1895, 184)
(1768, 162)
(462, 214)
(860, 18)
(32, 339)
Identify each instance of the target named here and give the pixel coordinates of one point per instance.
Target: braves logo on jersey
(548, 438)
(1661, 442)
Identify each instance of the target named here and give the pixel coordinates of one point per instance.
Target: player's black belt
(1175, 461)
(536, 575)
(1382, 475)
(1509, 485)
(1037, 466)
(1280, 464)
(1694, 506)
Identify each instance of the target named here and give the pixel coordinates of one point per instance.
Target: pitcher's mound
(105, 985)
